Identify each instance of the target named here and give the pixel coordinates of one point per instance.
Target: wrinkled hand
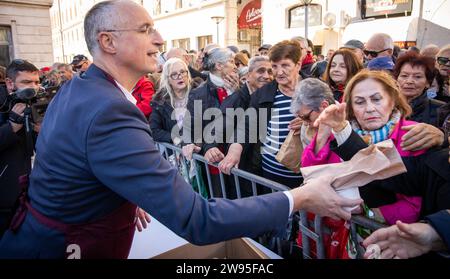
(333, 116)
(142, 219)
(214, 155)
(189, 149)
(232, 159)
(402, 241)
(18, 109)
(295, 125)
(421, 136)
(232, 81)
(317, 196)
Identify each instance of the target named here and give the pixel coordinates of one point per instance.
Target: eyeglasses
(176, 76)
(148, 29)
(77, 67)
(306, 117)
(442, 60)
(374, 53)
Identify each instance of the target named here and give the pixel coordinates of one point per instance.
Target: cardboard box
(239, 248)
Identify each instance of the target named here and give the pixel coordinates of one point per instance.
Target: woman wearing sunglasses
(443, 65)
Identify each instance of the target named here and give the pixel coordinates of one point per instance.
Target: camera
(38, 100)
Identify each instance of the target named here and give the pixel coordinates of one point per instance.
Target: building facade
(192, 24)
(333, 22)
(67, 28)
(25, 32)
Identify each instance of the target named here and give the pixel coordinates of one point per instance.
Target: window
(296, 16)
(163, 48)
(179, 4)
(183, 43)
(202, 41)
(157, 7)
(6, 47)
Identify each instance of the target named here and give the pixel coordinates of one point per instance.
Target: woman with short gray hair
(220, 64)
(310, 98)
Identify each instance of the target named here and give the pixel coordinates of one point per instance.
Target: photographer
(15, 161)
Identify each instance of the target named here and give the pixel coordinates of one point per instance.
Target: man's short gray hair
(102, 16)
(384, 38)
(311, 92)
(256, 59)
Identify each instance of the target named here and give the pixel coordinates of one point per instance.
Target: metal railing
(310, 230)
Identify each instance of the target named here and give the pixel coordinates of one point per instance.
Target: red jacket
(143, 93)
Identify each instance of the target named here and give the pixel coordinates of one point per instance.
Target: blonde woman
(169, 103)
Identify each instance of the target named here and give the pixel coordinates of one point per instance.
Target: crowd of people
(96, 158)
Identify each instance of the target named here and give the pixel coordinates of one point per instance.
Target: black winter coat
(161, 122)
(425, 110)
(14, 161)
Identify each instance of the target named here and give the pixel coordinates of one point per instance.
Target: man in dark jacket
(15, 160)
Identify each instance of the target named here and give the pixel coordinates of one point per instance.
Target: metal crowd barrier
(310, 230)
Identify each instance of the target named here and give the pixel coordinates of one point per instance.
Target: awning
(250, 16)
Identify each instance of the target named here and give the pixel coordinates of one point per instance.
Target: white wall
(192, 24)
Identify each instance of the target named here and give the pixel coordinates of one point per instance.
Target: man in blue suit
(96, 160)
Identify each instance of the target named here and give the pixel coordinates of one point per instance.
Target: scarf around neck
(379, 135)
(219, 82)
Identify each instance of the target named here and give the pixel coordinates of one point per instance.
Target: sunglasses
(374, 53)
(442, 60)
(77, 67)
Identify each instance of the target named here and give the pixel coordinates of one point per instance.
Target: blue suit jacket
(95, 151)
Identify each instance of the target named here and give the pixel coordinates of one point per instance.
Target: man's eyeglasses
(148, 29)
(78, 67)
(179, 75)
(374, 53)
(442, 60)
(306, 117)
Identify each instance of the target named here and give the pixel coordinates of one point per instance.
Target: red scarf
(221, 94)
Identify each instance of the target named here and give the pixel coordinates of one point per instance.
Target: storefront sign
(386, 8)
(250, 15)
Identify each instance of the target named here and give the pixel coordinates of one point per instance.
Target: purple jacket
(406, 209)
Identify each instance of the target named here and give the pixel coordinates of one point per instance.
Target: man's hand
(333, 116)
(214, 155)
(18, 109)
(421, 136)
(295, 125)
(232, 159)
(403, 241)
(142, 219)
(317, 196)
(187, 150)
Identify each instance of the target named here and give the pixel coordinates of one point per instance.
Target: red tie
(221, 94)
